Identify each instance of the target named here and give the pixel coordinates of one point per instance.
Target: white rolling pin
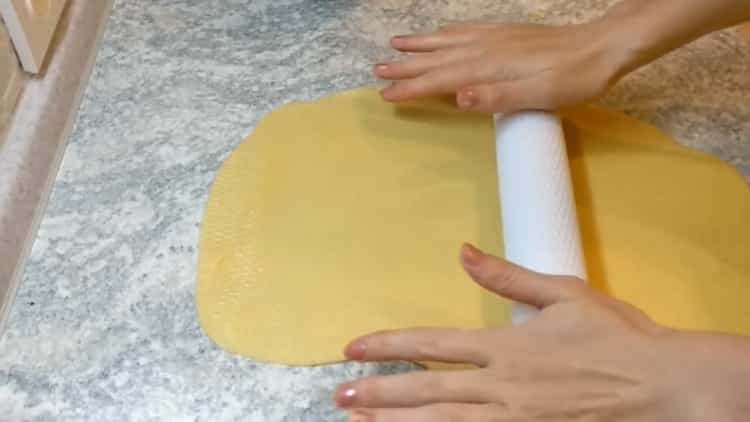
(539, 219)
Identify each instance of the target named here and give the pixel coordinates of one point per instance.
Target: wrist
(641, 31)
(712, 372)
(618, 53)
(634, 35)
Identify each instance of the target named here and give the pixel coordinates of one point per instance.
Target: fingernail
(381, 68)
(471, 255)
(356, 350)
(397, 40)
(467, 99)
(345, 396)
(359, 417)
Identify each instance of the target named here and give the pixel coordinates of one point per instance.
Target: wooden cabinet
(744, 31)
(32, 24)
(11, 78)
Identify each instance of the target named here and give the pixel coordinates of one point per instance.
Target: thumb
(517, 283)
(507, 96)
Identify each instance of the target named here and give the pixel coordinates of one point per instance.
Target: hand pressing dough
(345, 216)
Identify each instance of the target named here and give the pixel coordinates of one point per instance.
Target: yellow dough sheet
(344, 216)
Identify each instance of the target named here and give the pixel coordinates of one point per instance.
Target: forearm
(647, 29)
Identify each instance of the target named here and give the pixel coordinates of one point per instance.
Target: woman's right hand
(585, 357)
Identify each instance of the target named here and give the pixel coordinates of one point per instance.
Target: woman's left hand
(585, 357)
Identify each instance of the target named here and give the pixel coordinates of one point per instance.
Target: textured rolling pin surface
(539, 218)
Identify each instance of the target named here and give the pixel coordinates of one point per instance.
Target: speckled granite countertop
(103, 327)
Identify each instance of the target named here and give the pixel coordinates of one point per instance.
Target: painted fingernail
(471, 255)
(345, 396)
(356, 350)
(359, 417)
(467, 99)
(381, 67)
(398, 40)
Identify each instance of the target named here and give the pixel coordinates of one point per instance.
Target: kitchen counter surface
(103, 327)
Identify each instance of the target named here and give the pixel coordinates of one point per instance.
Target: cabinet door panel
(31, 24)
(11, 79)
(744, 31)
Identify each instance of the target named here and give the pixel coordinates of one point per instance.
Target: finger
(443, 412)
(474, 25)
(416, 389)
(422, 63)
(431, 41)
(448, 345)
(507, 96)
(446, 80)
(517, 283)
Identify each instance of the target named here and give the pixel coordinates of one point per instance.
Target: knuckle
(413, 86)
(493, 97)
(400, 67)
(409, 64)
(474, 51)
(436, 385)
(581, 320)
(430, 387)
(503, 280)
(369, 390)
(420, 65)
(427, 347)
(575, 287)
(381, 343)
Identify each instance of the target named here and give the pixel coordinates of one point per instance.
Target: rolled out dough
(344, 216)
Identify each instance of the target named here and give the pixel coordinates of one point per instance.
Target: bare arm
(507, 67)
(652, 28)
